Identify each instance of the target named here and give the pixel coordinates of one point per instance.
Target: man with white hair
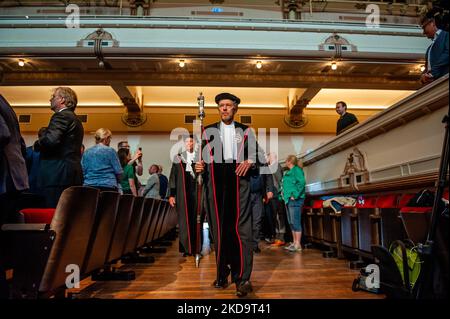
(60, 165)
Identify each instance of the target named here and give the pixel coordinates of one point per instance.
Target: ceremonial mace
(201, 116)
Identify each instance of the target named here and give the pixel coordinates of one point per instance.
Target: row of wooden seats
(374, 220)
(88, 229)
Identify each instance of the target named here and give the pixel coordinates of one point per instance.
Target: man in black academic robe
(183, 194)
(229, 159)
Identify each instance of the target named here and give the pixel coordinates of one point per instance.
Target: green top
(128, 173)
(293, 184)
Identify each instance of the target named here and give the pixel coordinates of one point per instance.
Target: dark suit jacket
(61, 151)
(12, 150)
(439, 56)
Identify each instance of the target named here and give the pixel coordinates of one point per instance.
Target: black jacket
(12, 150)
(61, 151)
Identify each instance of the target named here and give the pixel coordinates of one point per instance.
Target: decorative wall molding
(417, 173)
(355, 171)
(134, 119)
(426, 100)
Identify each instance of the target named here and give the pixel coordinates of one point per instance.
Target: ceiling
(183, 96)
(160, 81)
(211, 70)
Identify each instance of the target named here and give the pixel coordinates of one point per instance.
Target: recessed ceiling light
(334, 66)
(181, 63)
(422, 68)
(258, 64)
(21, 62)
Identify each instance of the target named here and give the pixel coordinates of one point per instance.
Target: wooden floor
(276, 274)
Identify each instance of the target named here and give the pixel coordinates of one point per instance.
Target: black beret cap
(227, 96)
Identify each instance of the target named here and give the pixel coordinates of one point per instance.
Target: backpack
(408, 262)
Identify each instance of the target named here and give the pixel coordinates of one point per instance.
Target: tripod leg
(428, 251)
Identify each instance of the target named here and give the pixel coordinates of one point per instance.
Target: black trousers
(236, 219)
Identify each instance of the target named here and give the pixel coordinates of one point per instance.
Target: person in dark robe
(183, 194)
(230, 157)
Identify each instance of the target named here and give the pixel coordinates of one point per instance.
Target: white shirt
(189, 160)
(228, 137)
(429, 50)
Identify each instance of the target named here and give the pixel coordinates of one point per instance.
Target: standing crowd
(240, 204)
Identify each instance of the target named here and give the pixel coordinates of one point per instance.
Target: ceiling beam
(104, 77)
(301, 102)
(128, 96)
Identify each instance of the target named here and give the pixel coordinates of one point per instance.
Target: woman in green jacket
(294, 196)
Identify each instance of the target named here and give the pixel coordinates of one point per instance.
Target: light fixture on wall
(333, 66)
(258, 64)
(181, 63)
(21, 62)
(422, 68)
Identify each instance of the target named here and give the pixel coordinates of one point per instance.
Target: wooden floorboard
(276, 274)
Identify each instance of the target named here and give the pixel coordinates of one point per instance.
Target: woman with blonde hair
(293, 193)
(101, 166)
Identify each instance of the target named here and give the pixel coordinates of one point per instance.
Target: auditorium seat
(416, 220)
(317, 221)
(170, 222)
(35, 275)
(391, 227)
(331, 232)
(131, 254)
(117, 242)
(160, 225)
(153, 221)
(148, 213)
(134, 226)
(101, 235)
(72, 223)
(307, 221)
(404, 199)
(120, 230)
(349, 229)
(38, 215)
(156, 231)
(164, 228)
(367, 224)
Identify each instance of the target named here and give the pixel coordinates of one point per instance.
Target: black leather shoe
(257, 250)
(243, 288)
(220, 283)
